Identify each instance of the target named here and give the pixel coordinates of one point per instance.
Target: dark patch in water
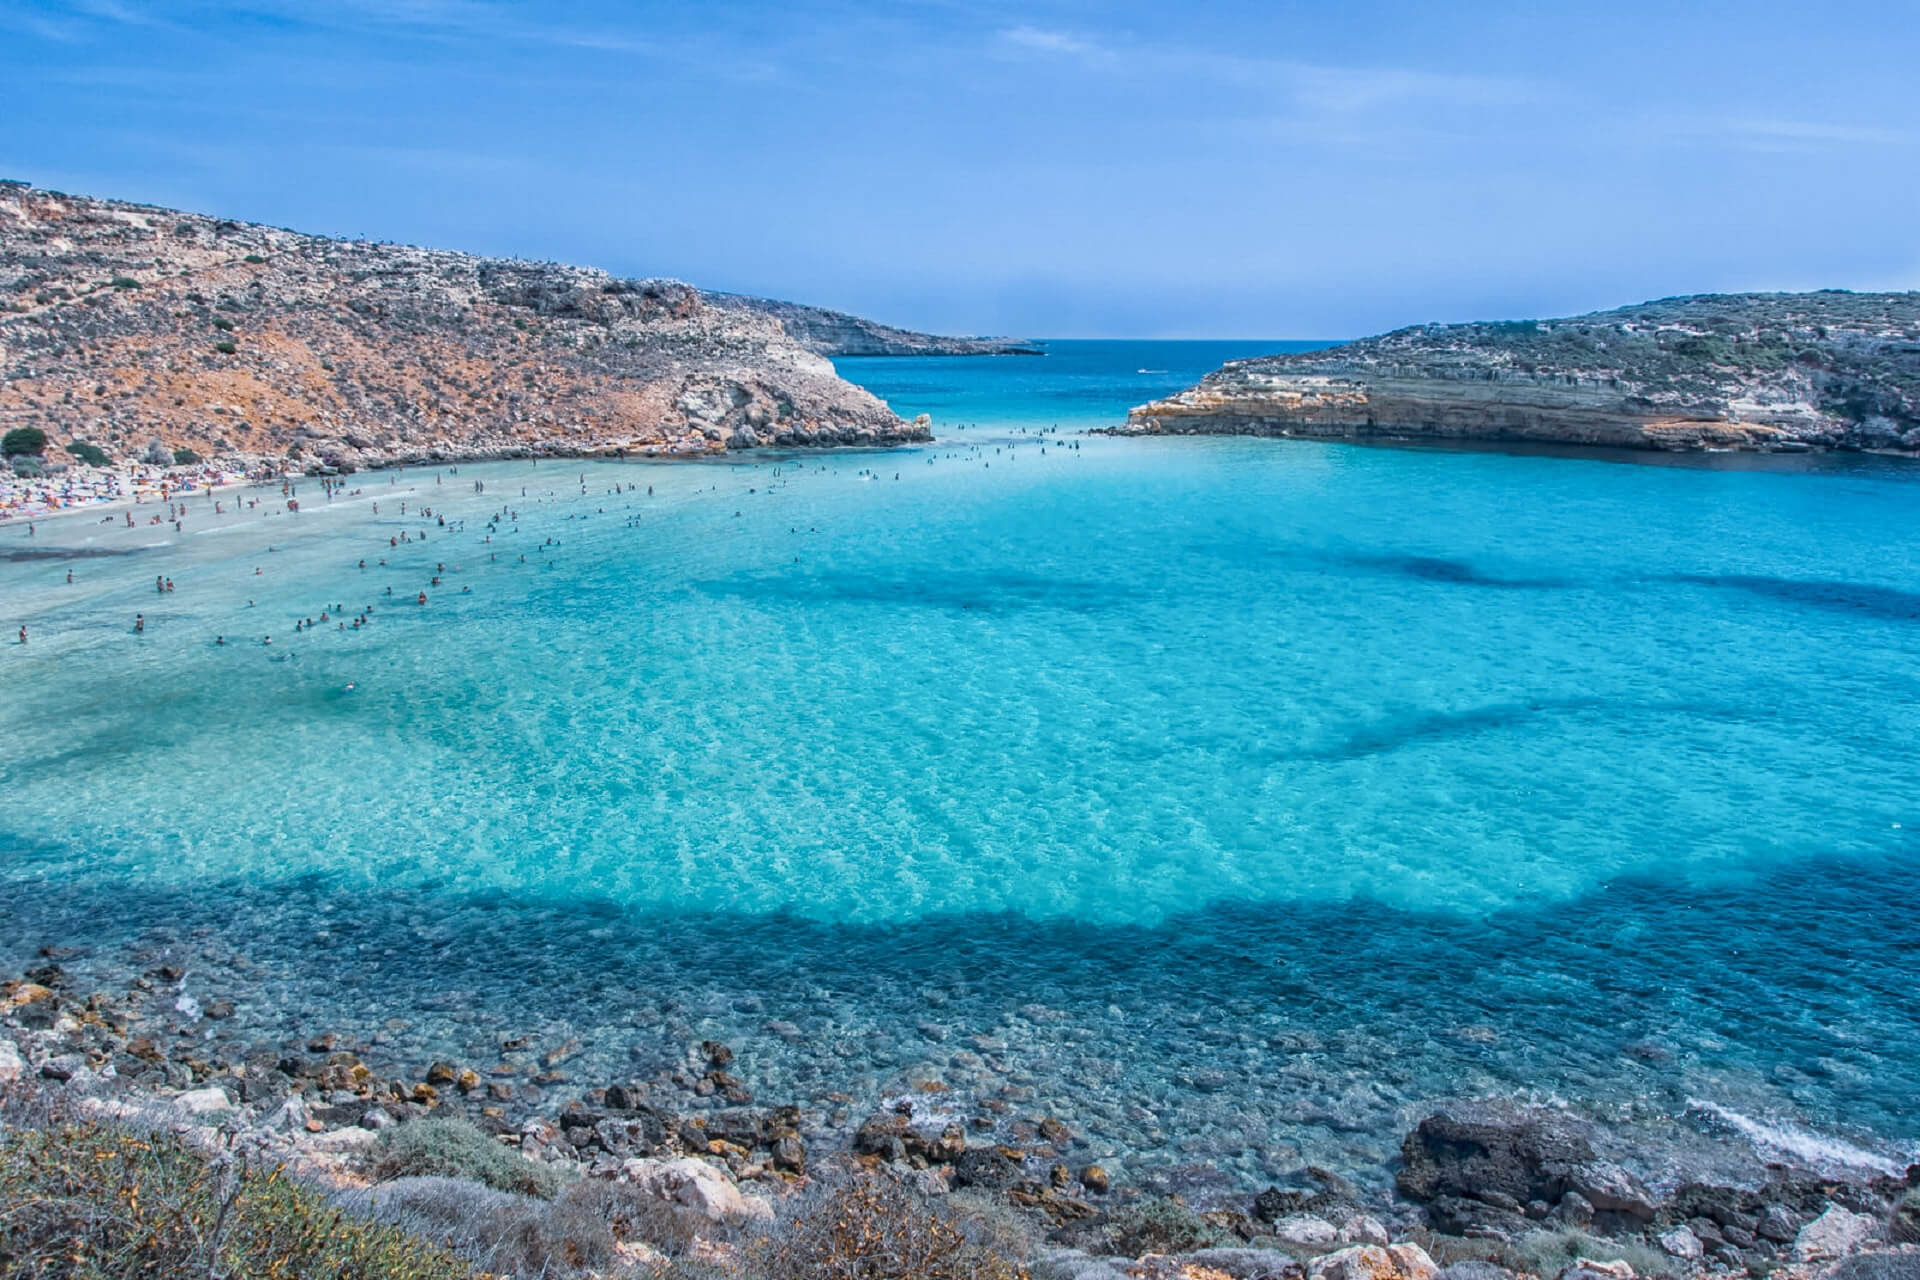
(1776, 970)
(1440, 569)
(1837, 597)
(963, 591)
(1393, 733)
(67, 553)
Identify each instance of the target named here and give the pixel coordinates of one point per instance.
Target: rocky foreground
(1767, 372)
(142, 331)
(1484, 1190)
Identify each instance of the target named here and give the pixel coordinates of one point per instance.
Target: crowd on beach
(80, 485)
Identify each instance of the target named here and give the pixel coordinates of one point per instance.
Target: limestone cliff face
(122, 324)
(1736, 371)
(835, 333)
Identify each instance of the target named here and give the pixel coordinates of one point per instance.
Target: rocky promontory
(139, 330)
(835, 333)
(1757, 371)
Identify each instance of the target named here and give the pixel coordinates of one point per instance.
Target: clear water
(1233, 800)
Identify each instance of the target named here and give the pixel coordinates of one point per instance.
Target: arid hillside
(122, 325)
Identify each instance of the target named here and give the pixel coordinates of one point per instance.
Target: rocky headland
(1484, 1190)
(835, 333)
(1768, 372)
(146, 332)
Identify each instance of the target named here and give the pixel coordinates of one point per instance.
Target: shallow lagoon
(1232, 799)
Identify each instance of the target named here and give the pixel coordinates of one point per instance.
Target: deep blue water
(1233, 799)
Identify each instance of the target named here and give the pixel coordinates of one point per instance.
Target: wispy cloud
(1809, 135)
(1041, 40)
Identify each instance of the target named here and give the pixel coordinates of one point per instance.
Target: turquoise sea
(1233, 800)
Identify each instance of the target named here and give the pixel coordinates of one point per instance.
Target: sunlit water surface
(1231, 799)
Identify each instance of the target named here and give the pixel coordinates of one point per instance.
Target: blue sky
(1054, 169)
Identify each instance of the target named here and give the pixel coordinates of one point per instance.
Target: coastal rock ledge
(1768, 372)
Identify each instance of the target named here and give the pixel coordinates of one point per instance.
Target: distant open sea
(1232, 800)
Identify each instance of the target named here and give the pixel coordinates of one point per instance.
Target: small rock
(1575, 1210)
(716, 1053)
(12, 1065)
(204, 1101)
(1682, 1243)
(1833, 1234)
(697, 1186)
(442, 1073)
(1611, 1189)
(1306, 1230)
(219, 1009)
(1095, 1179)
(1371, 1262)
(1589, 1269)
(789, 1153)
(1778, 1224)
(342, 1141)
(1242, 1264)
(1475, 1269)
(1364, 1229)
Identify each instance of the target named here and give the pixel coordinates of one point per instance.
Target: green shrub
(225, 347)
(1161, 1225)
(1550, 1252)
(125, 282)
(23, 440)
(255, 258)
(91, 454)
(185, 457)
(221, 322)
(85, 1200)
(455, 1149)
(505, 1234)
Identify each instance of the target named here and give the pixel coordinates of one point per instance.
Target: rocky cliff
(1733, 371)
(123, 324)
(835, 333)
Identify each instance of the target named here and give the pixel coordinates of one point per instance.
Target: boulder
(1308, 1231)
(1834, 1234)
(1243, 1264)
(696, 1185)
(12, 1065)
(1611, 1189)
(1682, 1243)
(202, 1102)
(1372, 1262)
(1464, 1150)
(1364, 1229)
(988, 1168)
(1777, 1223)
